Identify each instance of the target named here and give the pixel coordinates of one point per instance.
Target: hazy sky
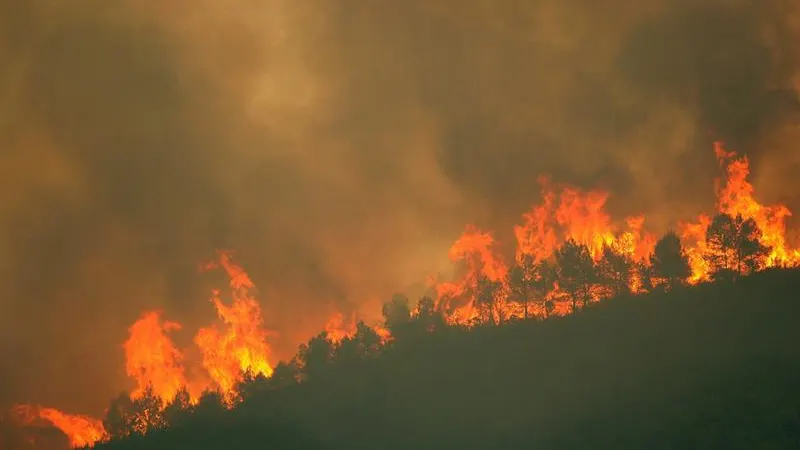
(340, 146)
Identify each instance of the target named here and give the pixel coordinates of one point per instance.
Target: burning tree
(734, 245)
(614, 271)
(529, 280)
(576, 272)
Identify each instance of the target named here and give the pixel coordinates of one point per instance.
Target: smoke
(340, 147)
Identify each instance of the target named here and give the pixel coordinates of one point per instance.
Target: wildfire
(238, 344)
(736, 198)
(580, 216)
(80, 430)
(241, 347)
(475, 249)
(152, 359)
(338, 328)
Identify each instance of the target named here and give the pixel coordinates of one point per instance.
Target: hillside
(711, 366)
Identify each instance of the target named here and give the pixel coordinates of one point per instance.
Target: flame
(474, 249)
(240, 347)
(735, 196)
(81, 430)
(337, 328)
(152, 359)
(568, 213)
(340, 327)
(383, 333)
(237, 345)
(580, 216)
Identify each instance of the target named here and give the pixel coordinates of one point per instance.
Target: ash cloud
(339, 148)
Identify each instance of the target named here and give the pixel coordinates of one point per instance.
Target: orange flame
(474, 249)
(152, 359)
(337, 328)
(580, 216)
(238, 345)
(241, 346)
(81, 431)
(736, 197)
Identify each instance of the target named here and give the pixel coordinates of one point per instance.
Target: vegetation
(679, 367)
(713, 366)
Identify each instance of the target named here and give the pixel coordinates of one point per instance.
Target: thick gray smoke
(339, 147)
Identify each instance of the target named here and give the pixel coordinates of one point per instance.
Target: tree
(529, 279)
(644, 273)
(148, 412)
(669, 260)
(397, 315)
(576, 272)
(211, 407)
(518, 286)
(365, 343)
(315, 357)
(614, 271)
(285, 374)
(486, 299)
(118, 420)
(545, 276)
(252, 386)
(126, 417)
(734, 245)
(426, 318)
(179, 408)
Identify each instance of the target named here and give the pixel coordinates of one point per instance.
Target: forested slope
(711, 366)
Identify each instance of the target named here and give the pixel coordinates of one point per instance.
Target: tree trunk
(525, 301)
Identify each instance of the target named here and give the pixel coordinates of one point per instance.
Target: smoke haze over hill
(340, 147)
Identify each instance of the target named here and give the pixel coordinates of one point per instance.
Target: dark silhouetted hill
(715, 366)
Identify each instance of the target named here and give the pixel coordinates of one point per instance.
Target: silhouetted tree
(519, 285)
(576, 272)
(118, 420)
(669, 260)
(614, 271)
(545, 276)
(365, 343)
(734, 245)
(530, 280)
(210, 407)
(284, 374)
(426, 318)
(148, 409)
(486, 299)
(397, 316)
(253, 385)
(126, 417)
(178, 409)
(315, 357)
(643, 271)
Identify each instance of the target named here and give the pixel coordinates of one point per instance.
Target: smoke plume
(339, 147)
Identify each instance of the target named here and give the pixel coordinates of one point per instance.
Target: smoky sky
(339, 147)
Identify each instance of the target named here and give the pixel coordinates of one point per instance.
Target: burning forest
(569, 253)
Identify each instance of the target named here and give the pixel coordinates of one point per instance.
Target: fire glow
(238, 344)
